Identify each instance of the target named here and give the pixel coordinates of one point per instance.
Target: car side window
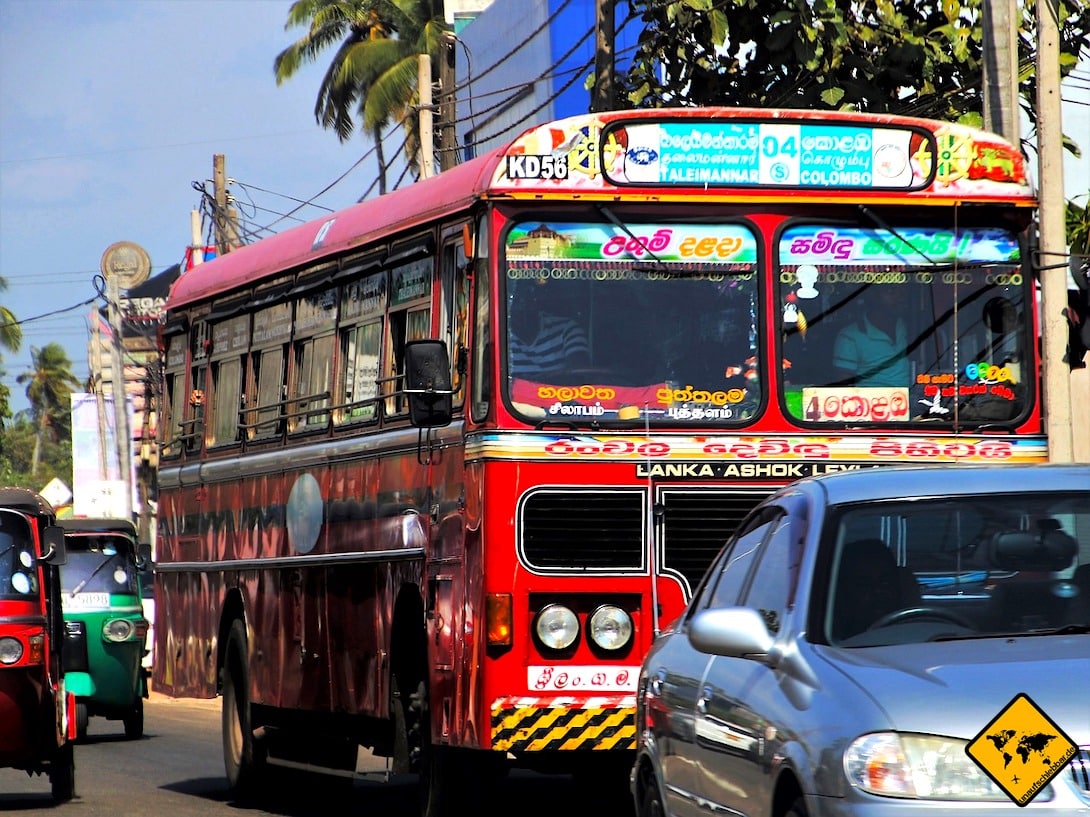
(725, 588)
(770, 591)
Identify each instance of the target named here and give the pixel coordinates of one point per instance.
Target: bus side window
(268, 377)
(193, 425)
(174, 402)
(362, 312)
(230, 339)
(455, 317)
(409, 319)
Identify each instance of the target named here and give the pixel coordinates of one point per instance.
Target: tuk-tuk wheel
(134, 721)
(62, 774)
(81, 719)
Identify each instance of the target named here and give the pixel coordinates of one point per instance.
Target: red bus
(436, 468)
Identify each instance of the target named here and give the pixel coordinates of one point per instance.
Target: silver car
(893, 641)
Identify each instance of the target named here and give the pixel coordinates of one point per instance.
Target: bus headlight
(610, 627)
(11, 650)
(557, 627)
(117, 629)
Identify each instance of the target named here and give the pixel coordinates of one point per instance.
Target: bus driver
(542, 342)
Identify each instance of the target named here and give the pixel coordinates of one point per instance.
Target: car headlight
(925, 767)
(117, 629)
(557, 627)
(610, 627)
(11, 650)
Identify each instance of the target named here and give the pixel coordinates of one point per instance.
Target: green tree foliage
(11, 338)
(49, 385)
(912, 57)
(20, 440)
(373, 74)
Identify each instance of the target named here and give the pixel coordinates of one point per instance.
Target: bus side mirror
(143, 556)
(53, 543)
(427, 383)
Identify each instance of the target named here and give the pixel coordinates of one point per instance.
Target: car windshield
(957, 567)
(98, 565)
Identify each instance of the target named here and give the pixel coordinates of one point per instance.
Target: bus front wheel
(243, 757)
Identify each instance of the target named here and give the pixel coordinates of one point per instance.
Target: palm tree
(373, 74)
(49, 385)
(11, 338)
(11, 334)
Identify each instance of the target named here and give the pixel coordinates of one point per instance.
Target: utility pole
(423, 83)
(123, 265)
(603, 58)
(1052, 248)
(447, 138)
(226, 217)
(1001, 108)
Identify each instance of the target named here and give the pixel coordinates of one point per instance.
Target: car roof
(88, 525)
(909, 481)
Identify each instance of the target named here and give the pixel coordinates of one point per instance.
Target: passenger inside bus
(873, 351)
(544, 344)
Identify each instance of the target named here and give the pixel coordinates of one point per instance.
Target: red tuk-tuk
(37, 715)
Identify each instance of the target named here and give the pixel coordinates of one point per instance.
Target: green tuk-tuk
(105, 628)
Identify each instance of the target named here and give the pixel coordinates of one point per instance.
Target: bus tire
(62, 774)
(244, 757)
(134, 720)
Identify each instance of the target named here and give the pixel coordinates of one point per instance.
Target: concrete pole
(219, 184)
(100, 398)
(117, 388)
(197, 239)
(427, 148)
(448, 145)
(1000, 29)
(1053, 240)
(603, 58)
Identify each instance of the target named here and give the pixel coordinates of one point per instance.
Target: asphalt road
(176, 770)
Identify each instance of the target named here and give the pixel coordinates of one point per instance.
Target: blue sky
(109, 111)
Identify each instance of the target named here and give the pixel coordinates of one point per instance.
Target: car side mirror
(427, 383)
(53, 543)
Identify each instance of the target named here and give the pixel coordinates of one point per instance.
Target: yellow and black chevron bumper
(531, 725)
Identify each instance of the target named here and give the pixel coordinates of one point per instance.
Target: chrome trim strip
(309, 560)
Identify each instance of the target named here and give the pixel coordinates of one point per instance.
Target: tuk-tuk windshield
(18, 567)
(99, 565)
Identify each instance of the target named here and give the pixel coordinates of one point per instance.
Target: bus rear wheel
(244, 757)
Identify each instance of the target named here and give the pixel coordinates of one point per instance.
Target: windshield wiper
(609, 214)
(95, 572)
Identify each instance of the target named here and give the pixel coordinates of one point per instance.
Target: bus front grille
(596, 530)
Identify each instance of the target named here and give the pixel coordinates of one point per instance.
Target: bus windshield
(647, 322)
(903, 323)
